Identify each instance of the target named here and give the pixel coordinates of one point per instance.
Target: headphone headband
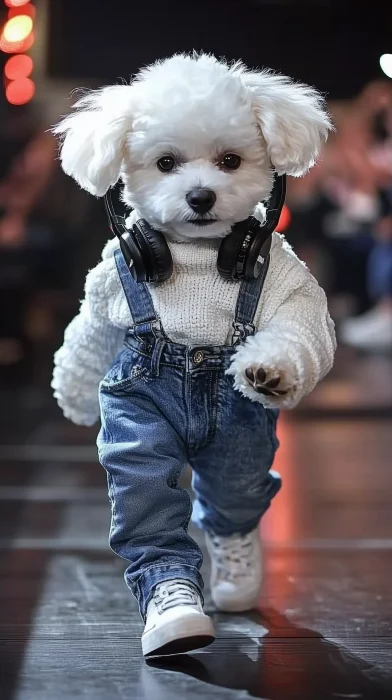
(116, 221)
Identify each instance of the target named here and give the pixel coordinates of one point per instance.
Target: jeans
(380, 271)
(165, 405)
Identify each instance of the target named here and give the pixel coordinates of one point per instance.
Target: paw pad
(267, 383)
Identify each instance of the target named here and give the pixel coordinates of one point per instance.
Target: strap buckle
(154, 326)
(157, 328)
(242, 331)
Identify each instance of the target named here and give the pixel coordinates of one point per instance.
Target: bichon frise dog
(196, 144)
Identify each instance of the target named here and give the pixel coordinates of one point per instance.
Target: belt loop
(156, 356)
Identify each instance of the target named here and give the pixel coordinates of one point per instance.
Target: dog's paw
(264, 374)
(269, 382)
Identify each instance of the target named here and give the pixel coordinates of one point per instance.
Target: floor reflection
(288, 663)
(69, 628)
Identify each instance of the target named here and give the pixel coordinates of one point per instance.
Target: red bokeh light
(284, 220)
(19, 66)
(28, 10)
(19, 92)
(17, 46)
(16, 3)
(17, 37)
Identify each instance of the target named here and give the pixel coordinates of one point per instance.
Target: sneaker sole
(236, 606)
(177, 638)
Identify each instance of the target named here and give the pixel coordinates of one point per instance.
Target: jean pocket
(125, 373)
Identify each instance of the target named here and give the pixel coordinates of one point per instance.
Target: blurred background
(338, 218)
(336, 446)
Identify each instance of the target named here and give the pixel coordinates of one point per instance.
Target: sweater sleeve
(91, 343)
(299, 341)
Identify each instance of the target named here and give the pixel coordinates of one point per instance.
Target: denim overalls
(165, 405)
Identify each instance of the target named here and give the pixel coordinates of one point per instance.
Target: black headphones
(241, 254)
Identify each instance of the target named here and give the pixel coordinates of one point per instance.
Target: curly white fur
(297, 345)
(197, 108)
(259, 353)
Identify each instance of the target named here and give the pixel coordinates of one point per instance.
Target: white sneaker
(371, 331)
(236, 571)
(175, 620)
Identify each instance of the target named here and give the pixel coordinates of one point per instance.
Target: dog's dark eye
(230, 162)
(166, 164)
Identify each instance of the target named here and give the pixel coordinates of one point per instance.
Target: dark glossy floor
(69, 628)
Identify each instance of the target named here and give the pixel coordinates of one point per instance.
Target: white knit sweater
(197, 307)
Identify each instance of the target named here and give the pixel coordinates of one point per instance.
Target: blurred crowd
(342, 218)
(341, 224)
(50, 232)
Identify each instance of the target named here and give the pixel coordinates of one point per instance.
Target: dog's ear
(292, 118)
(93, 138)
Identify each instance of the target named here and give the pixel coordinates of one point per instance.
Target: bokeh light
(28, 10)
(21, 91)
(19, 66)
(17, 46)
(386, 64)
(16, 3)
(284, 220)
(17, 28)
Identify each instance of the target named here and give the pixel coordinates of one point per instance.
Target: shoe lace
(233, 556)
(171, 593)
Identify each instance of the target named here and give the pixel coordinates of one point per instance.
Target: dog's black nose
(201, 200)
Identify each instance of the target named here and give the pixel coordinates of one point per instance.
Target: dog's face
(196, 164)
(194, 141)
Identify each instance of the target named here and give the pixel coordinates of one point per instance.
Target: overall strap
(247, 303)
(138, 297)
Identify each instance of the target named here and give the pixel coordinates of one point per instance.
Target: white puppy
(195, 122)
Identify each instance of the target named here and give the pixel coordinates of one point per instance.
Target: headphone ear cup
(145, 250)
(156, 252)
(228, 255)
(258, 248)
(239, 251)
